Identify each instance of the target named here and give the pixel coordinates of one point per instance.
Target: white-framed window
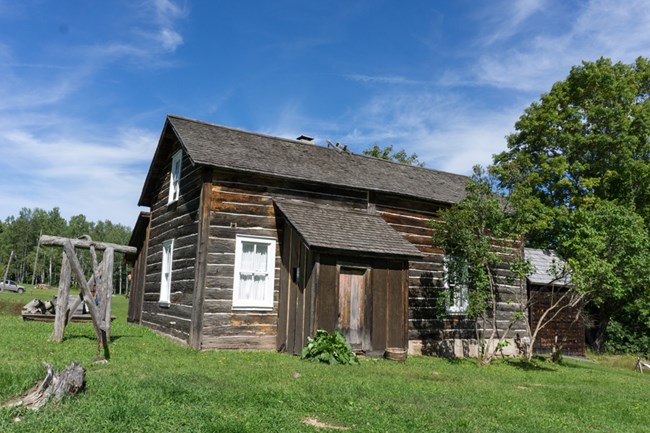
(175, 177)
(254, 273)
(166, 273)
(456, 287)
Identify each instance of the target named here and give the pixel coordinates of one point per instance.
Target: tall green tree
(581, 150)
(399, 156)
(20, 234)
(586, 139)
(608, 247)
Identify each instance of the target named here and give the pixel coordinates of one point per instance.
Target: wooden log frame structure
(101, 282)
(640, 365)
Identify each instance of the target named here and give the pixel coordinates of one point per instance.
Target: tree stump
(70, 381)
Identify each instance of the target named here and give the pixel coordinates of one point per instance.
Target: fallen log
(70, 381)
(35, 306)
(50, 318)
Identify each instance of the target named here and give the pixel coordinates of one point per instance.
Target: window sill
(456, 313)
(241, 308)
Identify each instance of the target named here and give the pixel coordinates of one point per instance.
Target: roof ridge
(245, 131)
(314, 145)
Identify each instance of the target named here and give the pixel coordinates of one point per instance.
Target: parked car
(11, 286)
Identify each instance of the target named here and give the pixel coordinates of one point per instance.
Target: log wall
(243, 204)
(177, 221)
(138, 262)
(430, 329)
(136, 294)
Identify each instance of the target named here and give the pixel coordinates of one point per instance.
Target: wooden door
(352, 305)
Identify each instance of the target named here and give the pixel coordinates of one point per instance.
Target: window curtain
(253, 271)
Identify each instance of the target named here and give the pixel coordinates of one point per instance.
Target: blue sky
(85, 85)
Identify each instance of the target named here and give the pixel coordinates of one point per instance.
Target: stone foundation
(456, 348)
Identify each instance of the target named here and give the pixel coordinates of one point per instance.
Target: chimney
(305, 138)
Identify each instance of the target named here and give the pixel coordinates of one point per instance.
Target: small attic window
(175, 178)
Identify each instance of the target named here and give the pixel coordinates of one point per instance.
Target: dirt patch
(9, 308)
(315, 423)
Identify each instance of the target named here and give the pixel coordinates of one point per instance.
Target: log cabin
(255, 242)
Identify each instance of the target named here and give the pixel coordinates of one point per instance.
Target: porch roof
(550, 268)
(324, 227)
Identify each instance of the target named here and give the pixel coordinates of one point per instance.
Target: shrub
(627, 338)
(329, 348)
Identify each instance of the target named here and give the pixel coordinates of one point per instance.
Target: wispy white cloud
(78, 174)
(291, 120)
(17, 94)
(615, 29)
(167, 13)
(446, 130)
(383, 79)
(154, 35)
(80, 164)
(447, 127)
(506, 18)
(170, 39)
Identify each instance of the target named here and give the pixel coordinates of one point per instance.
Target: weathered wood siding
(177, 221)
(568, 326)
(312, 302)
(386, 308)
(138, 278)
(297, 298)
(243, 204)
(430, 329)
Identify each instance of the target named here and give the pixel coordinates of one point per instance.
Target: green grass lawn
(155, 385)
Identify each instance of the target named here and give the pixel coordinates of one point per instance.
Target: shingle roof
(544, 261)
(339, 229)
(220, 146)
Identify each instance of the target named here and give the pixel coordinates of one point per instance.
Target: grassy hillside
(154, 385)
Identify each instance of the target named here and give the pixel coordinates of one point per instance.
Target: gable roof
(324, 227)
(219, 146)
(544, 261)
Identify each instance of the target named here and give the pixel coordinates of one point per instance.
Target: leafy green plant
(627, 337)
(329, 348)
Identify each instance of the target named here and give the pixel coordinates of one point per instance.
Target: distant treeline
(20, 235)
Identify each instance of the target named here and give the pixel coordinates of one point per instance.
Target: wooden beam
(86, 244)
(107, 272)
(198, 297)
(62, 300)
(92, 309)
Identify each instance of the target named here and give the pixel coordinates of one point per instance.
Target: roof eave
(365, 253)
(315, 182)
